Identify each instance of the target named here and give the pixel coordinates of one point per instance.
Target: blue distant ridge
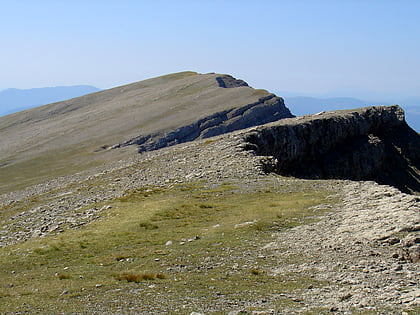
(15, 100)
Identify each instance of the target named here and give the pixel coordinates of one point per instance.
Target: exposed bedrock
(267, 109)
(227, 81)
(372, 143)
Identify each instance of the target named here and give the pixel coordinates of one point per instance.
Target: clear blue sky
(360, 48)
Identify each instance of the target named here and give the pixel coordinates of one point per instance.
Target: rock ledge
(372, 143)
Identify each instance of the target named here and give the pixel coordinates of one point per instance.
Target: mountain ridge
(80, 133)
(69, 135)
(213, 225)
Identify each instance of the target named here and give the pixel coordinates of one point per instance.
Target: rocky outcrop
(227, 81)
(266, 109)
(372, 143)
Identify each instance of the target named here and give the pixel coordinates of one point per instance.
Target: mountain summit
(75, 135)
(64, 137)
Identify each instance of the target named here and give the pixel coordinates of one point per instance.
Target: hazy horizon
(362, 49)
(362, 95)
(14, 100)
(412, 101)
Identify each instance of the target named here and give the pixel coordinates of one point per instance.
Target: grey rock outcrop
(227, 81)
(267, 109)
(372, 143)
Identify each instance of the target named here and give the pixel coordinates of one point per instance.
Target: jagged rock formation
(372, 143)
(267, 109)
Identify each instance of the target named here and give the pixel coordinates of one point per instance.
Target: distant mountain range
(303, 105)
(15, 100)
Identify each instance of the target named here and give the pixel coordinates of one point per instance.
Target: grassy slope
(104, 263)
(54, 134)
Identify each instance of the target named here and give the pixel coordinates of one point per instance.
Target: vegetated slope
(372, 143)
(15, 100)
(70, 136)
(198, 227)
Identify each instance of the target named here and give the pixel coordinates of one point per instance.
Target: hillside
(194, 194)
(199, 227)
(70, 136)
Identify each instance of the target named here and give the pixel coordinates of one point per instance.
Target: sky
(367, 49)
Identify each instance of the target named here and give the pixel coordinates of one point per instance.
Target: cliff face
(267, 109)
(372, 143)
(55, 139)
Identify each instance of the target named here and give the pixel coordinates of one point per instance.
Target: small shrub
(204, 206)
(130, 277)
(256, 272)
(138, 277)
(47, 249)
(262, 226)
(161, 276)
(148, 276)
(148, 226)
(63, 276)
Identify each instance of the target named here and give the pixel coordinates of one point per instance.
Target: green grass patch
(190, 240)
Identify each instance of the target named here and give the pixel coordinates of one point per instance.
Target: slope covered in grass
(177, 249)
(70, 136)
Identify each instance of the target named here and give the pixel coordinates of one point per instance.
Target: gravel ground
(363, 247)
(367, 248)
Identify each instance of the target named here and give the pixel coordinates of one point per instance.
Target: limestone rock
(267, 109)
(227, 81)
(372, 143)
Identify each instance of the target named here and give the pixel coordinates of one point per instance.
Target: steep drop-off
(372, 143)
(266, 109)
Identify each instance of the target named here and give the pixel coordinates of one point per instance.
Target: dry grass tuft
(148, 226)
(138, 277)
(256, 272)
(161, 276)
(63, 276)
